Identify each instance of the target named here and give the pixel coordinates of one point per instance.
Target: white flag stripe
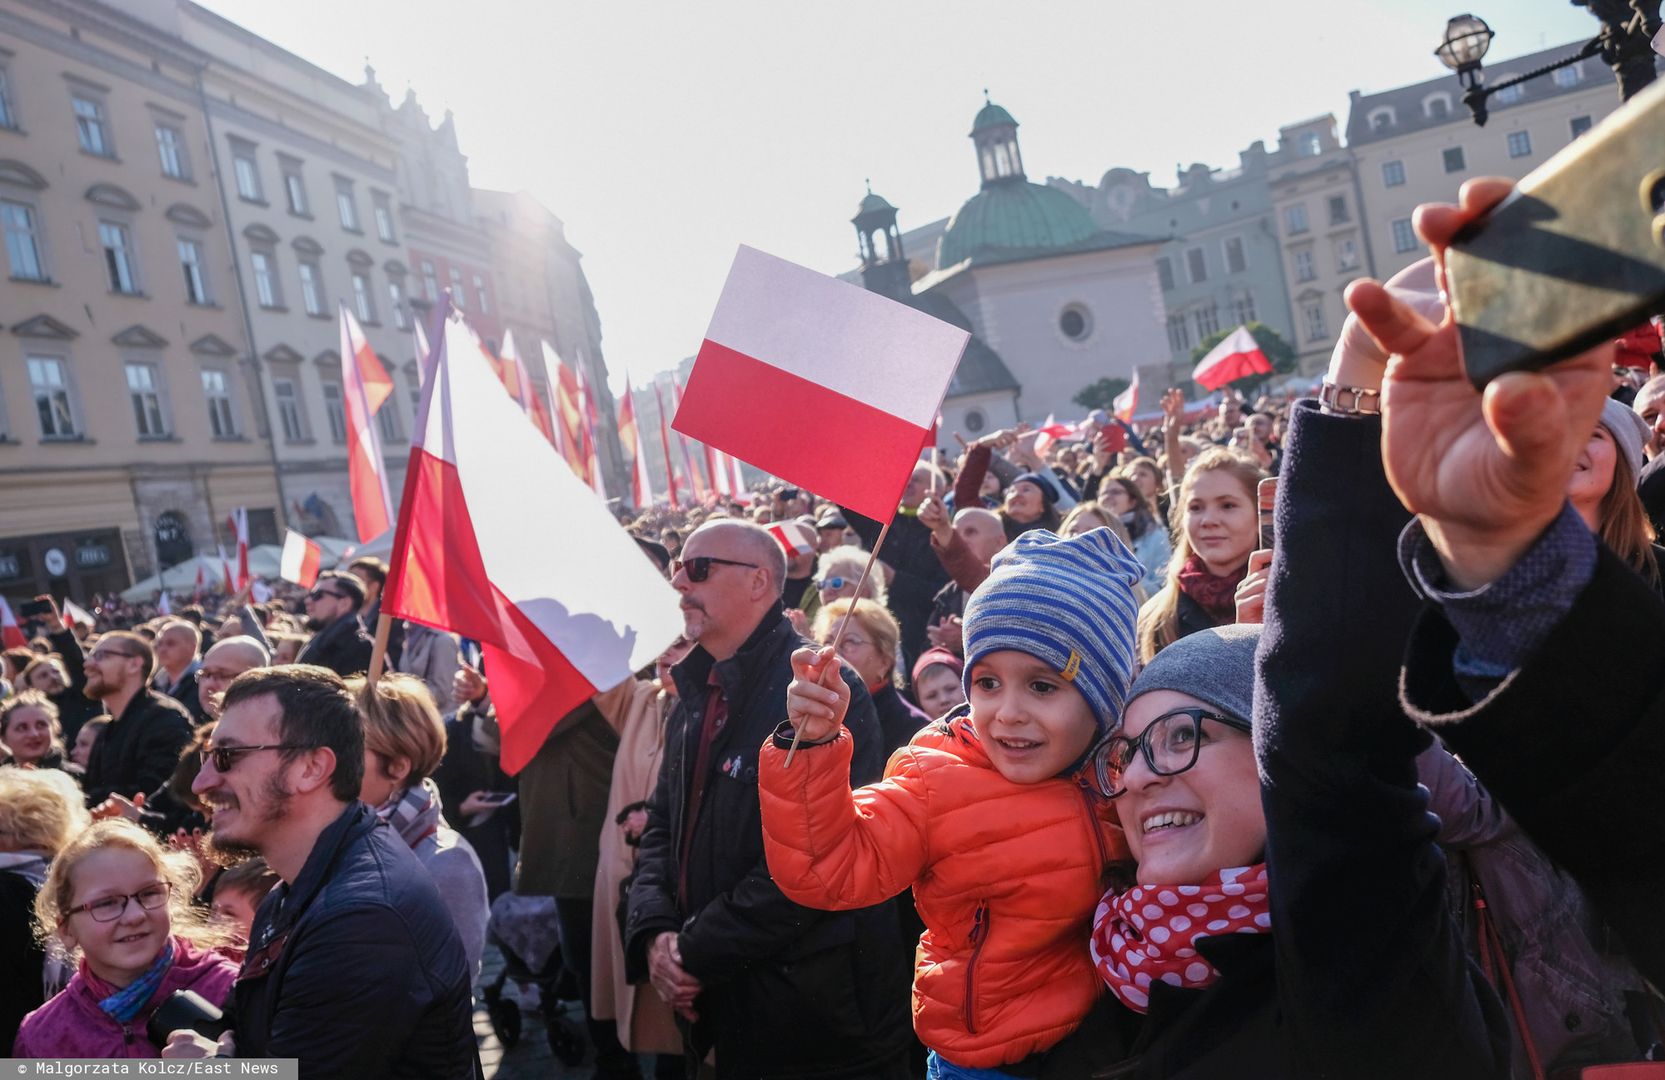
(561, 557)
(838, 335)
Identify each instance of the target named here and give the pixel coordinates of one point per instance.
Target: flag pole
(378, 651)
(838, 634)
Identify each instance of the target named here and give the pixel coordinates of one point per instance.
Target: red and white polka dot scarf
(1149, 933)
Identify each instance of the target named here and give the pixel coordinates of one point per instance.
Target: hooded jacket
(1005, 876)
(72, 1025)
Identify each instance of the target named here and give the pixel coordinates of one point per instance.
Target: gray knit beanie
(1630, 432)
(1216, 666)
(1068, 603)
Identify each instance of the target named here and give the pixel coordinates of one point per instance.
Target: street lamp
(1467, 37)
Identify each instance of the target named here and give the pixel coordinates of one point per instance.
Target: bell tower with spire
(884, 268)
(994, 134)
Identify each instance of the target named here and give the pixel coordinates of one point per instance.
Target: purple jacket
(72, 1025)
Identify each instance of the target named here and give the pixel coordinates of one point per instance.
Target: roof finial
(869, 182)
(986, 100)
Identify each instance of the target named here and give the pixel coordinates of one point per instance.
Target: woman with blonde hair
(119, 903)
(1216, 531)
(41, 810)
(1603, 489)
(404, 740)
(870, 646)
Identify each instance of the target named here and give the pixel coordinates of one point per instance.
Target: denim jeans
(939, 1068)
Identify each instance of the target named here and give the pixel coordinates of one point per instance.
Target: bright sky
(664, 134)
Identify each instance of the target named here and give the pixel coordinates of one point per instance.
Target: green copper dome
(992, 115)
(1012, 220)
(873, 204)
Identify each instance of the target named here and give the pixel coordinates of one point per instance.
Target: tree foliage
(1101, 394)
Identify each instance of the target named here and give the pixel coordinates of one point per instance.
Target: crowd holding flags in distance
(471, 553)
(1236, 357)
(365, 385)
(630, 439)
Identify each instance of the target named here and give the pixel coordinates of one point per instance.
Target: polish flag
(225, 567)
(513, 372)
(484, 498)
(1234, 358)
(730, 468)
(592, 459)
(239, 522)
(202, 580)
(75, 613)
(1127, 402)
(421, 337)
(11, 634)
(300, 560)
(696, 479)
(164, 603)
(569, 413)
(1050, 432)
(365, 385)
(848, 382)
(794, 537)
(630, 438)
(552, 372)
(665, 442)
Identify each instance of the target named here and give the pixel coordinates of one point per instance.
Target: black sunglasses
(318, 593)
(225, 757)
(699, 567)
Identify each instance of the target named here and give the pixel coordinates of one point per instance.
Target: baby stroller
(523, 928)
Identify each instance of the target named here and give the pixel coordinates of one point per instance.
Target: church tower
(994, 134)
(884, 268)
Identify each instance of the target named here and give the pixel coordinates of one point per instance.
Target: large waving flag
(300, 560)
(11, 634)
(365, 385)
(853, 381)
(630, 438)
(484, 495)
(1236, 357)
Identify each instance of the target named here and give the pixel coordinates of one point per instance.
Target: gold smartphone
(1576, 255)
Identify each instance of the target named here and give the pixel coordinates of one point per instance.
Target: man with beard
(775, 989)
(354, 966)
(140, 748)
(338, 639)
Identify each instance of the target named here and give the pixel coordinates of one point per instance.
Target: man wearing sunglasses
(739, 962)
(138, 751)
(354, 965)
(339, 641)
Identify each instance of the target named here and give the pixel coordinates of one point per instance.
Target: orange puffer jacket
(1005, 876)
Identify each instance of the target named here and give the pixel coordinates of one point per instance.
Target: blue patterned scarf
(125, 1004)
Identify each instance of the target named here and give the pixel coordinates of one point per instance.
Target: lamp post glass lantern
(1467, 37)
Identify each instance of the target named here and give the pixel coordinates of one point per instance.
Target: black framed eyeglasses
(1169, 743)
(699, 567)
(225, 757)
(110, 908)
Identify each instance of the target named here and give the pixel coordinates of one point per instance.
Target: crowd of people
(1074, 776)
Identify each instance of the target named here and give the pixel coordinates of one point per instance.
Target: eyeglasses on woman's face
(1169, 745)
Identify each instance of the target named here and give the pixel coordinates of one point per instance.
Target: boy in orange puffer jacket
(985, 814)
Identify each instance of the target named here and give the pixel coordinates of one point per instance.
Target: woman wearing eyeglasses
(838, 571)
(871, 645)
(122, 906)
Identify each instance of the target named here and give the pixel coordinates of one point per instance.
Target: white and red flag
(630, 438)
(1050, 432)
(365, 385)
(300, 560)
(485, 499)
(11, 634)
(1237, 356)
(665, 443)
(225, 568)
(1127, 402)
(569, 413)
(202, 580)
(852, 382)
(592, 459)
(75, 613)
(239, 522)
(794, 537)
(164, 603)
(421, 337)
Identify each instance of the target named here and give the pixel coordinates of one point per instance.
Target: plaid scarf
(414, 812)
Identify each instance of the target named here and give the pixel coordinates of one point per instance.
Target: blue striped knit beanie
(1068, 603)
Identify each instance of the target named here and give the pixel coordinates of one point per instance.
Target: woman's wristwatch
(1349, 400)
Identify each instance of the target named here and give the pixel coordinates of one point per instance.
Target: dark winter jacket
(919, 574)
(74, 707)
(138, 751)
(356, 968)
(342, 646)
(563, 806)
(185, 693)
(22, 956)
(789, 991)
(899, 719)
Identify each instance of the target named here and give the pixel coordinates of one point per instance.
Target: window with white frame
(1179, 334)
(170, 145)
(246, 171)
(1508, 95)
(335, 411)
(1196, 265)
(1237, 259)
(288, 409)
(1437, 107)
(363, 301)
(1520, 144)
(1340, 214)
(1382, 119)
(396, 300)
(119, 264)
(346, 207)
(480, 292)
(92, 128)
(8, 110)
(1208, 321)
(266, 291)
(1346, 254)
(145, 390)
(430, 281)
(1393, 173)
(1295, 218)
(387, 418)
(382, 206)
(1165, 273)
(196, 277)
(1404, 236)
(312, 287)
(1312, 314)
(459, 295)
(1304, 270)
(23, 248)
(216, 390)
(1571, 75)
(1243, 310)
(294, 187)
(49, 381)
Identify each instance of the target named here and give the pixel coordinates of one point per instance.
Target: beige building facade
(130, 417)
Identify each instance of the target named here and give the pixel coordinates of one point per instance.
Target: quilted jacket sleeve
(834, 849)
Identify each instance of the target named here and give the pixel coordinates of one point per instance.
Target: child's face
(1031, 721)
(82, 751)
(118, 951)
(235, 908)
(938, 690)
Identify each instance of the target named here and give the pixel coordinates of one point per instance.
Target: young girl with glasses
(121, 905)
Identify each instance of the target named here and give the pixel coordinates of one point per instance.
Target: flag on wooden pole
(365, 385)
